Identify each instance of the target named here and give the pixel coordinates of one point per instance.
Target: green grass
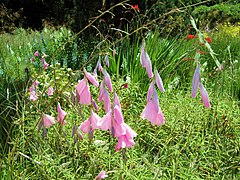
(195, 143)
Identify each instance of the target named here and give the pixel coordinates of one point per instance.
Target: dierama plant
(152, 112)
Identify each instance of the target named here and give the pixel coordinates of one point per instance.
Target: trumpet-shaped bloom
(152, 112)
(90, 124)
(205, 97)
(106, 100)
(159, 81)
(130, 133)
(101, 91)
(36, 53)
(150, 91)
(83, 92)
(107, 80)
(106, 61)
(106, 122)
(92, 78)
(196, 81)
(48, 121)
(145, 61)
(116, 100)
(61, 115)
(127, 139)
(118, 123)
(101, 175)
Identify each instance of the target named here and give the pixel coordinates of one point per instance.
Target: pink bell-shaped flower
(205, 97)
(150, 91)
(107, 80)
(158, 80)
(92, 78)
(101, 175)
(90, 124)
(152, 112)
(61, 115)
(83, 92)
(48, 121)
(196, 81)
(145, 61)
(106, 122)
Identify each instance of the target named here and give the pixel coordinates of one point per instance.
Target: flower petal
(107, 80)
(48, 120)
(150, 91)
(91, 78)
(195, 81)
(159, 81)
(205, 97)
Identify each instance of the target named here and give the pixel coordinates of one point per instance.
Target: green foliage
(219, 13)
(166, 55)
(193, 143)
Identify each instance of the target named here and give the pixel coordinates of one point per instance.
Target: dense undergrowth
(194, 142)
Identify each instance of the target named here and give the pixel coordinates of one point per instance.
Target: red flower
(208, 39)
(125, 86)
(190, 36)
(135, 6)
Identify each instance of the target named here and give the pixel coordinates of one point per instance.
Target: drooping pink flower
(145, 61)
(159, 81)
(152, 112)
(33, 96)
(106, 100)
(92, 78)
(36, 53)
(35, 83)
(61, 115)
(99, 66)
(116, 100)
(101, 91)
(106, 61)
(205, 97)
(48, 121)
(150, 91)
(196, 81)
(106, 122)
(83, 92)
(50, 91)
(107, 80)
(90, 124)
(101, 175)
(118, 122)
(130, 133)
(125, 141)
(32, 59)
